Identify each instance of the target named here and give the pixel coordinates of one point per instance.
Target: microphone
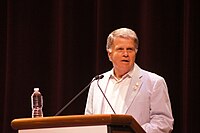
(98, 77)
(105, 96)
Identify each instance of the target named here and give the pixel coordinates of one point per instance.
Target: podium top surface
(75, 120)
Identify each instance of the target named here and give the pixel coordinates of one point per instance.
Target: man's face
(122, 55)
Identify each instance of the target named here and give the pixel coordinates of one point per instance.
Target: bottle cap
(36, 89)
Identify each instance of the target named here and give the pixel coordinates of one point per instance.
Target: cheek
(115, 57)
(133, 57)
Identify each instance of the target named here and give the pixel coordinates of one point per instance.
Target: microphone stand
(74, 98)
(105, 97)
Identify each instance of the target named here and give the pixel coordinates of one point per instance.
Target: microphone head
(101, 76)
(98, 77)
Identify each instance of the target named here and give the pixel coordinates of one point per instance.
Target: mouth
(125, 60)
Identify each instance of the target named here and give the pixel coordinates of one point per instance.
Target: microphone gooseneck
(105, 95)
(74, 98)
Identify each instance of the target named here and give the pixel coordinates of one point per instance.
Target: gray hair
(124, 33)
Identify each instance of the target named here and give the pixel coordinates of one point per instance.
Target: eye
(130, 49)
(119, 49)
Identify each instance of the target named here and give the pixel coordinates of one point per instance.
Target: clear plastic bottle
(36, 103)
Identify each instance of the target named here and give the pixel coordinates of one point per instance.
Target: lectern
(106, 123)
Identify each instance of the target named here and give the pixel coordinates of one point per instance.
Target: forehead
(123, 41)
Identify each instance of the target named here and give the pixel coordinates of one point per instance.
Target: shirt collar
(129, 74)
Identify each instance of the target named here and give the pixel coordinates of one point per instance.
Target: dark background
(59, 46)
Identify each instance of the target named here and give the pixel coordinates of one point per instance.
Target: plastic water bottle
(36, 103)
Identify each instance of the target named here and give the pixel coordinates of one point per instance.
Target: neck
(119, 75)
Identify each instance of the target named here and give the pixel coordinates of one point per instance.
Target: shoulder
(151, 75)
(154, 82)
(147, 74)
(106, 76)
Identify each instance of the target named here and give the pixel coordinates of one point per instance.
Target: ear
(136, 50)
(109, 54)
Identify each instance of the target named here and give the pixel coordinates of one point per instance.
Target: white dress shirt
(116, 92)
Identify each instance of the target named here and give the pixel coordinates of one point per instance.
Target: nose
(125, 53)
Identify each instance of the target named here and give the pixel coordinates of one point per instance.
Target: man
(130, 89)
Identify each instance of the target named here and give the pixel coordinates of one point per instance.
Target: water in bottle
(36, 103)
